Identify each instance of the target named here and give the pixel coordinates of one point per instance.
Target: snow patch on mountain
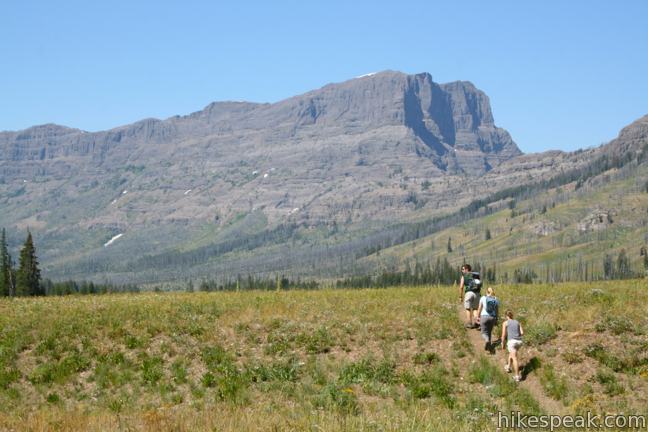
(109, 242)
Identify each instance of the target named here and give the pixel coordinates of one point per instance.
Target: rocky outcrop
(454, 121)
(598, 219)
(631, 140)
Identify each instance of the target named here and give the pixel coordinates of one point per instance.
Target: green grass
(397, 359)
(609, 382)
(554, 385)
(500, 385)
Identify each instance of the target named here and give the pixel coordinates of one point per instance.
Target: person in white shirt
(487, 312)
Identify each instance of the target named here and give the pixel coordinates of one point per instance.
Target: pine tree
(623, 265)
(28, 274)
(488, 234)
(6, 279)
(608, 267)
(449, 245)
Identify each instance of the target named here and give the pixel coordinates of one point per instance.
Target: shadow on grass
(530, 366)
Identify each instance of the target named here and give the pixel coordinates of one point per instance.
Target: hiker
(487, 312)
(512, 335)
(469, 295)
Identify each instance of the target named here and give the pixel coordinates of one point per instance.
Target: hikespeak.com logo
(518, 420)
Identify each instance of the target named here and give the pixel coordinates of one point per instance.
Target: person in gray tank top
(512, 333)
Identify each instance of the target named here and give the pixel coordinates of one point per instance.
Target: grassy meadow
(394, 359)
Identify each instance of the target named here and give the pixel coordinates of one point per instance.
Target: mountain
(322, 151)
(243, 187)
(451, 124)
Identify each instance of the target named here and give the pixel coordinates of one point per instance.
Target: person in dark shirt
(468, 296)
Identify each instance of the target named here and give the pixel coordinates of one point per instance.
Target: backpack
(472, 282)
(491, 306)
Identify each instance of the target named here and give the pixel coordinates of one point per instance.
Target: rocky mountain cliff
(452, 123)
(361, 154)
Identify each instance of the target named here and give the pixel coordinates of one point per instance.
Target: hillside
(559, 232)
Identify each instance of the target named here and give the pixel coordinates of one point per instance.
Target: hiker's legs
(514, 359)
(471, 303)
(469, 306)
(486, 324)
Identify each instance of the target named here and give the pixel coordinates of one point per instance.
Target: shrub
(366, 370)
(554, 386)
(277, 344)
(572, 357)
(540, 333)
(230, 384)
(53, 398)
(317, 342)
(215, 356)
(433, 382)
(179, 372)
(59, 371)
(208, 379)
(287, 371)
(603, 356)
(611, 386)
(152, 369)
(42, 374)
(8, 376)
(132, 342)
(615, 325)
(342, 399)
(426, 358)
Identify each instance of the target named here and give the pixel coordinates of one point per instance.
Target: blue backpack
(491, 306)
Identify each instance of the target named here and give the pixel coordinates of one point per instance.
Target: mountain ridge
(454, 116)
(329, 167)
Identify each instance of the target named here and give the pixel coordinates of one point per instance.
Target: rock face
(631, 140)
(371, 150)
(347, 151)
(450, 124)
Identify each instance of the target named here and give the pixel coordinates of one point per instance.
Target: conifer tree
(608, 267)
(449, 245)
(28, 274)
(6, 272)
(623, 265)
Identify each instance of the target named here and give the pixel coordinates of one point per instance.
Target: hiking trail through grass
(529, 380)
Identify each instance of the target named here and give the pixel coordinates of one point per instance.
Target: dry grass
(388, 359)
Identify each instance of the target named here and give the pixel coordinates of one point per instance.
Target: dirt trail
(530, 381)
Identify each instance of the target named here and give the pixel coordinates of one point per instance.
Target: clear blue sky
(560, 74)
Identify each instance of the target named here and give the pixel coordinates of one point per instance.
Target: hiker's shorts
(513, 345)
(471, 300)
